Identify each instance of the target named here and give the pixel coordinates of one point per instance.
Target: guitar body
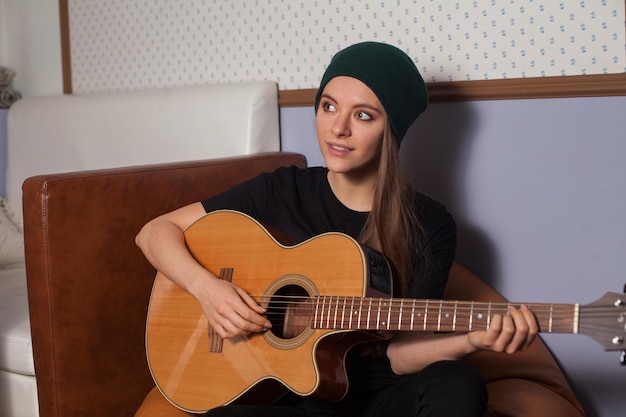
(196, 370)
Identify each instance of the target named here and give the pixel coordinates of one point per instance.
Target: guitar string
(557, 315)
(558, 312)
(325, 321)
(395, 304)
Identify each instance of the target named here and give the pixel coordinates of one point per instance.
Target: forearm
(230, 310)
(411, 352)
(163, 244)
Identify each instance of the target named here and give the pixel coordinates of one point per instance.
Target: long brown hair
(393, 226)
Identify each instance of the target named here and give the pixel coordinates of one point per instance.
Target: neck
(356, 193)
(373, 313)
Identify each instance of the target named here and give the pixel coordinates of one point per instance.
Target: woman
(369, 96)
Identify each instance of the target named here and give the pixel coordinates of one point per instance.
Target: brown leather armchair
(89, 287)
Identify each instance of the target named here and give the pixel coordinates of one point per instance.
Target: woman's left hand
(509, 334)
(411, 352)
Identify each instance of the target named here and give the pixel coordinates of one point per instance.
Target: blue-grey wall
(538, 189)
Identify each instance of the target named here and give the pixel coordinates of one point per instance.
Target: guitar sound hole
(289, 311)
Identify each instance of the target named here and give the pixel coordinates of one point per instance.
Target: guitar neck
(399, 314)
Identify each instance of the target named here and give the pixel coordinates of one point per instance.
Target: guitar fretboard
(399, 314)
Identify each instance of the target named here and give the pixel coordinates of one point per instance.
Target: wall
(31, 46)
(121, 44)
(536, 187)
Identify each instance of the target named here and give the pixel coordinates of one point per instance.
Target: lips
(338, 149)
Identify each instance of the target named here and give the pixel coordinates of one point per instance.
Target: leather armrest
(89, 285)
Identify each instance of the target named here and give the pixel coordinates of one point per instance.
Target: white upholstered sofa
(68, 133)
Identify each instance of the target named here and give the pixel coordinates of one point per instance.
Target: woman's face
(350, 123)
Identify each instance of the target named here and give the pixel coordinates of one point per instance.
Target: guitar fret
(389, 315)
(325, 312)
(352, 313)
(316, 312)
(442, 322)
(456, 303)
(425, 315)
(336, 311)
(329, 306)
(471, 317)
(489, 315)
(412, 314)
(575, 318)
(550, 319)
(400, 315)
(369, 313)
(343, 311)
(439, 316)
(380, 303)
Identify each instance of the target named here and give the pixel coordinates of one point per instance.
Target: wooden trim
(507, 89)
(66, 57)
(296, 98)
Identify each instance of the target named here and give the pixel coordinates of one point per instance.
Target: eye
(329, 107)
(363, 116)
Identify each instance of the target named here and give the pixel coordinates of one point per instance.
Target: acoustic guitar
(323, 297)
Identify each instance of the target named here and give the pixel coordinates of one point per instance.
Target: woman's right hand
(231, 311)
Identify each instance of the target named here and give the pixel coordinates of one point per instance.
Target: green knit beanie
(390, 74)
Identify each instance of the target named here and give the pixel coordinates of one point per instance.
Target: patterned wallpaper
(132, 44)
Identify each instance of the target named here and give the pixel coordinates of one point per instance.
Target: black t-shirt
(301, 204)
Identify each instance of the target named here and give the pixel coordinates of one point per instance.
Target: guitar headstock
(605, 321)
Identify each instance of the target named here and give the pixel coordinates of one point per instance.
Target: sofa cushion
(18, 395)
(16, 350)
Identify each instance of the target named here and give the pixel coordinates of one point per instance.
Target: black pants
(447, 388)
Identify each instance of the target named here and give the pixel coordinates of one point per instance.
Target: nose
(341, 126)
